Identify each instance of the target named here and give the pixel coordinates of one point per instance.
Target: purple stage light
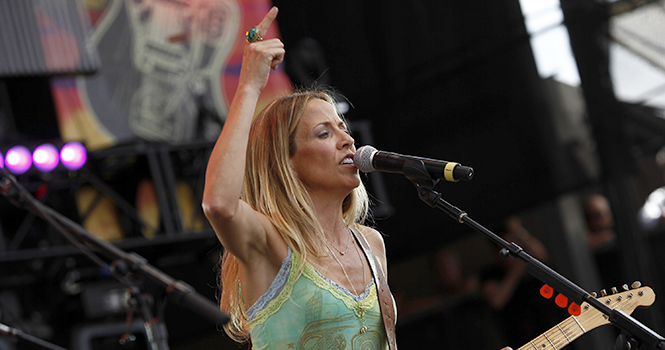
(18, 160)
(45, 157)
(2, 161)
(73, 155)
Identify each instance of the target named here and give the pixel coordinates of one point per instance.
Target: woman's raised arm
(234, 221)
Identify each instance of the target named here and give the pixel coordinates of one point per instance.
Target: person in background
(513, 294)
(601, 239)
(600, 222)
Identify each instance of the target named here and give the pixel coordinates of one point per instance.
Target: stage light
(45, 157)
(18, 160)
(73, 155)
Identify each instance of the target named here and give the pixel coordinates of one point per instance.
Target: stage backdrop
(168, 71)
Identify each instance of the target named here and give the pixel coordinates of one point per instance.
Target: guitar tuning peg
(614, 290)
(625, 287)
(603, 292)
(636, 284)
(594, 294)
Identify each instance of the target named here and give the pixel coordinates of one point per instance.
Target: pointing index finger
(267, 21)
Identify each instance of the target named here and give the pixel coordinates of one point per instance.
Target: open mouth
(347, 160)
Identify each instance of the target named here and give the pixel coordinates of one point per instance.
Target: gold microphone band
(448, 171)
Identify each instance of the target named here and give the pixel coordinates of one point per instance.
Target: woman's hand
(261, 56)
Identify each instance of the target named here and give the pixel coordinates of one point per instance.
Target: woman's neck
(331, 218)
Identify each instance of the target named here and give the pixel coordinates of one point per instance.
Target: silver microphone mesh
(363, 158)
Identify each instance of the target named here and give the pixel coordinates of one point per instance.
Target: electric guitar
(574, 326)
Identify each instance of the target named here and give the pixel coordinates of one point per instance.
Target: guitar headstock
(626, 301)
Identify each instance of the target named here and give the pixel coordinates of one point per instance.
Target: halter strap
(385, 299)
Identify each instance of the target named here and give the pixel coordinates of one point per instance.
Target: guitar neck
(558, 336)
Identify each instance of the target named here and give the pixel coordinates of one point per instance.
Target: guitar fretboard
(558, 336)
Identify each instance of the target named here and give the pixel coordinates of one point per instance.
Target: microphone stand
(123, 264)
(13, 332)
(415, 171)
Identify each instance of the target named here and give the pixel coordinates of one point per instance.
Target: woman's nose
(346, 140)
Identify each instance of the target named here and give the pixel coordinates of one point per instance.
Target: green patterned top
(309, 311)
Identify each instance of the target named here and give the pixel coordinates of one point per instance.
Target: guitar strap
(385, 298)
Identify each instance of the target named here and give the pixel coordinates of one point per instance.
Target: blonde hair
(272, 188)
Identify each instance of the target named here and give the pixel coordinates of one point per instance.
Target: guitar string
(559, 339)
(545, 338)
(556, 338)
(565, 340)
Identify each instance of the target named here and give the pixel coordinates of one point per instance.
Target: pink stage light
(2, 161)
(45, 157)
(18, 160)
(73, 155)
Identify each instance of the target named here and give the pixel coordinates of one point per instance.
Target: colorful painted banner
(169, 71)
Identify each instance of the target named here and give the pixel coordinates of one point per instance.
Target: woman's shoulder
(369, 232)
(374, 238)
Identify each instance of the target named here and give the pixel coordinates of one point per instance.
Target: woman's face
(324, 152)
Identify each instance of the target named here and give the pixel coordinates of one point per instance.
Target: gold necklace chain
(348, 244)
(361, 310)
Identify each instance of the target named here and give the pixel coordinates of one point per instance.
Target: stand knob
(622, 343)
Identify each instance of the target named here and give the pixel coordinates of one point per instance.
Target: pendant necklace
(348, 244)
(359, 308)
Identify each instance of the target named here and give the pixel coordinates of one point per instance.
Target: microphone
(368, 159)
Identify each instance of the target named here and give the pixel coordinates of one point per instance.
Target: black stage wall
(449, 80)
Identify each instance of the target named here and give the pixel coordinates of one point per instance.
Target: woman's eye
(323, 134)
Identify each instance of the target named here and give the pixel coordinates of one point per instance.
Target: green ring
(251, 34)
